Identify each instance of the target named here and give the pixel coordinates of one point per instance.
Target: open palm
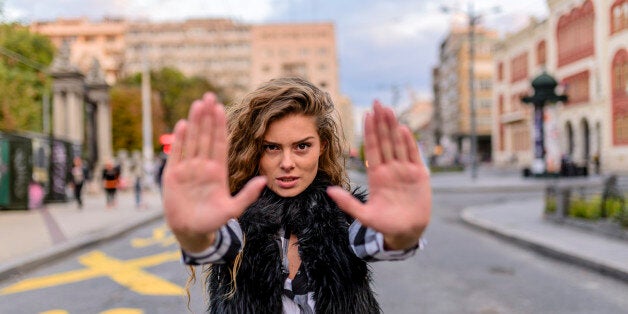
(400, 197)
(197, 200)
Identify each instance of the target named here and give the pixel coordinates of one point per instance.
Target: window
(295, 69)
(519, 67)
(485, 103)
(541, 53)
(574, 34)
(577, 87)
(619, 81)
(486, 84)
(619, 16)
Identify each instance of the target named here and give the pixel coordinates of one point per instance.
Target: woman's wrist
(400, 242)
(196, 244)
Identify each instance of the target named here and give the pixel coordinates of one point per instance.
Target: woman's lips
(287, 182)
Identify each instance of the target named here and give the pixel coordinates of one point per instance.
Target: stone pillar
(68, 94)
(98, 94)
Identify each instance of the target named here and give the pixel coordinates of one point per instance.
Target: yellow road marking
(126, 273)
(161, 235)
(55, 312)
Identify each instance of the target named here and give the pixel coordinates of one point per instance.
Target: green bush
(587, 209)
(550, 205)
(618, 211)
(613, 207)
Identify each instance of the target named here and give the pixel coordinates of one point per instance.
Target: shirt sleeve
(226, 246)
(368, 245)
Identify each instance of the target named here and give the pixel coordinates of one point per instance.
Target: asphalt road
(462, 270)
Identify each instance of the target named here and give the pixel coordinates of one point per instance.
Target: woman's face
(290, 154)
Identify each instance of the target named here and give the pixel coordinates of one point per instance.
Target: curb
(528, 242)
(28, 263)
(503, 188)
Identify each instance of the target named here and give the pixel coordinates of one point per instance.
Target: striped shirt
(365, 242)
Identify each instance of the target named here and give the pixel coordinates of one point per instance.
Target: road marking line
(129, 273)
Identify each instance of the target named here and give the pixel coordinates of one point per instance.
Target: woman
(262, 204)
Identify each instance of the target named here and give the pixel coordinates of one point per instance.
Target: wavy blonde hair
(249, 119)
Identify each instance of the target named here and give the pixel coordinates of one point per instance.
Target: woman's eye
(271, 147)
(302, 146)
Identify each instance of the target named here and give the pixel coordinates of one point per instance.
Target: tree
(176, 92)
(24, 56)
(126, 111)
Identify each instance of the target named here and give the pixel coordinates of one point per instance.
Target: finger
(219, 133)
(371, 144)
(210, 97)
(348, 203)
(247, 195)
(191, 139)
(205, 130)
(179, 141)
(413, 150)
(382, 128)
(400, 144)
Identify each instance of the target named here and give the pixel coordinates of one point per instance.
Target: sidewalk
(34, 237)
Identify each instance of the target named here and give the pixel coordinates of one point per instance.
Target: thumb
(248, 194)
(346, 202)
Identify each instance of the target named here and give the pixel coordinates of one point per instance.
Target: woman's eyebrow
(295, 142)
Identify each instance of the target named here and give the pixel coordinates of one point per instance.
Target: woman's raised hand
(196, 195)
(400, 196)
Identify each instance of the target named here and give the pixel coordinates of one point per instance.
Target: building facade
(103, 41)
(306, 50)
(452, 99)
(583, 44)
(216, 49)
(234, 56)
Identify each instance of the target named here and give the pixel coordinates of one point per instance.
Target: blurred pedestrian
(111, 178)
(79, 175)
(137, 172)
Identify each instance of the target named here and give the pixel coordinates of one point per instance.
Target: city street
(462, 270)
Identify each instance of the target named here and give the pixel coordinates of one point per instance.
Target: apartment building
(452, 98)
(306, 50)
(216, 49)
(103, 41)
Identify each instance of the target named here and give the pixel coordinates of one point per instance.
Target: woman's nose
(287, 162)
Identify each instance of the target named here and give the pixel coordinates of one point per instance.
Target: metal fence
(601, 204)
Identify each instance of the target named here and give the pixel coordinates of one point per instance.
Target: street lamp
(473, 18)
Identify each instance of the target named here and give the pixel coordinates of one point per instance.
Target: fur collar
(340, 281)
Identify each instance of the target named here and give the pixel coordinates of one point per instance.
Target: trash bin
(15, 171)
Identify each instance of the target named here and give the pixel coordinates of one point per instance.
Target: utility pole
(474, 136)
(147, 123)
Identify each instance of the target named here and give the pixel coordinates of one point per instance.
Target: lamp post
(544, 92)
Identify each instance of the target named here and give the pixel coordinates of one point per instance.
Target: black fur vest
(340, 280)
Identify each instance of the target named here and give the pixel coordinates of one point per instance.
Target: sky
(383, 45)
